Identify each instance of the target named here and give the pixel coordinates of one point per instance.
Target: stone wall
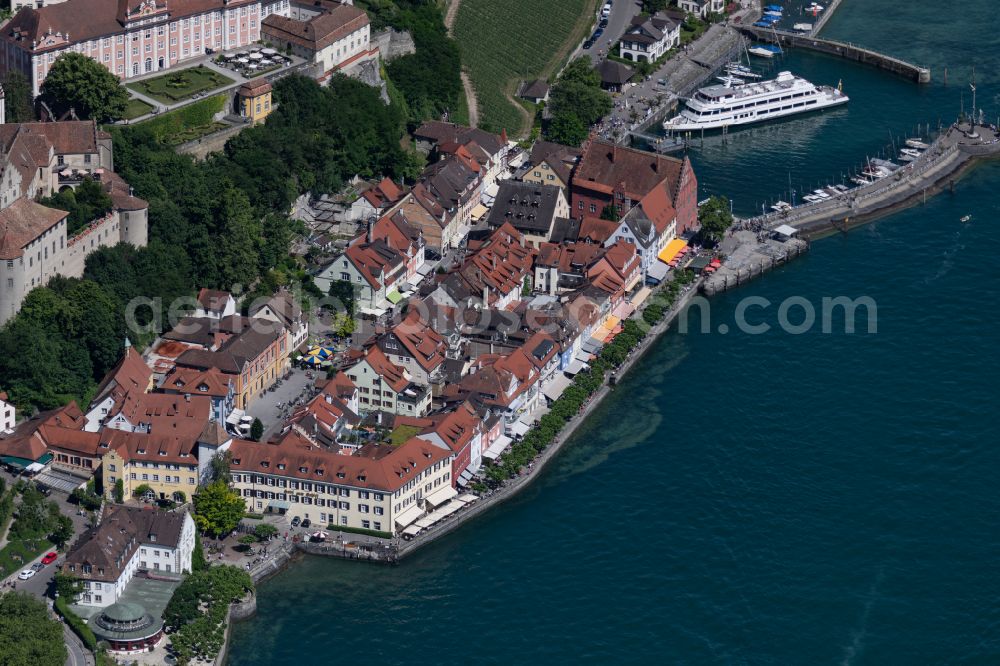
(392, 44)
(211, 143)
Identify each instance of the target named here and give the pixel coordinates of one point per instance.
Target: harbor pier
(853, 52)
(951, 153)
(752, 248)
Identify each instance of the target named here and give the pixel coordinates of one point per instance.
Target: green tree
(220, 466)
(247, 539)
(609, 212)
(62, 532)
(218, 509)
(142, 490)
(343, 292)
(567, 129)
(198, 561)
(715, 218)
(80, 83)
(84, 204)
(17, 97)
(256, 430)
(119, 492)
(239, 242)
(28, 636)
(265, 531)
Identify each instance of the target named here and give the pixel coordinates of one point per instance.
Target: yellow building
(255, 100)
(168, 465)
(380, 487)
(551, 164)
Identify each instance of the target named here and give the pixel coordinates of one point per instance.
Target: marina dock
(954, 150)
(752, 250)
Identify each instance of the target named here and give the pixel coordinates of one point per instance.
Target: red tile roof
(130, 374)
(22, 222)
(375, 261)
(391, 374)
(136, 446)
(501, 264)
(607, 167)
(597, 230)
(378, 467)
(88, 19)
(423, 343)
(319, 31)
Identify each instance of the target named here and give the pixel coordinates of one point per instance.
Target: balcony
(74, 176)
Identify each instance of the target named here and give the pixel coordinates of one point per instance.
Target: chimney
(371, 225)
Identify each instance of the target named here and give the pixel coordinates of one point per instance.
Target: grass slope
(505, 42)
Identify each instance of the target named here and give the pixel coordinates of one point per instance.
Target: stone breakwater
(953, 152)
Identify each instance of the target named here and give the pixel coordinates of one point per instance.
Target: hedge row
(75, 623)
(199, 114)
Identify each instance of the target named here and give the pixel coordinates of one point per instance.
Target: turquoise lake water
(821, 498)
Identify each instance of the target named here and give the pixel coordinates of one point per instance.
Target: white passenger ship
(729, 106)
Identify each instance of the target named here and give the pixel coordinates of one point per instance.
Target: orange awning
(672, 249)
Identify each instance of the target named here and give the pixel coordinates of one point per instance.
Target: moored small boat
(764, 50)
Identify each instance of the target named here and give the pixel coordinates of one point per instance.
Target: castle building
(38, 160)
(130, 37)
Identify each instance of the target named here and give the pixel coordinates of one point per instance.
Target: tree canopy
(715, 218)
(218, 509)
(17, 97)
(28, 636)
(86, 86)
(196, 613)
(85, 204)
(577, 102)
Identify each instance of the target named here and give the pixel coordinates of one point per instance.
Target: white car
(26, 574)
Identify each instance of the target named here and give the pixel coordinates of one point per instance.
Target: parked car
(587, 44)
(306, 522)
(603, 23)
(49, 558)
(598, 33)
(37, 566)
(26, 574)
(295, 521)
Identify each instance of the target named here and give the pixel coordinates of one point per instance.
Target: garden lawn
(505, 42)
(176, 86)
(17, 554)
(136, 108)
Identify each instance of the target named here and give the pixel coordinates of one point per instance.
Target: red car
(49, 558)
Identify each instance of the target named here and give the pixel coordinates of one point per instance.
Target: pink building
(130, 37)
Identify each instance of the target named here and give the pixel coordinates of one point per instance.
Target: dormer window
(264, 463)
(87, 568)
(340, 475)
(152, 538)
(236, 461)
(141, 452)
(319, 472)
(281, 465)
(303, 470)
(100, 570)
(163, 453)
(362, 477)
